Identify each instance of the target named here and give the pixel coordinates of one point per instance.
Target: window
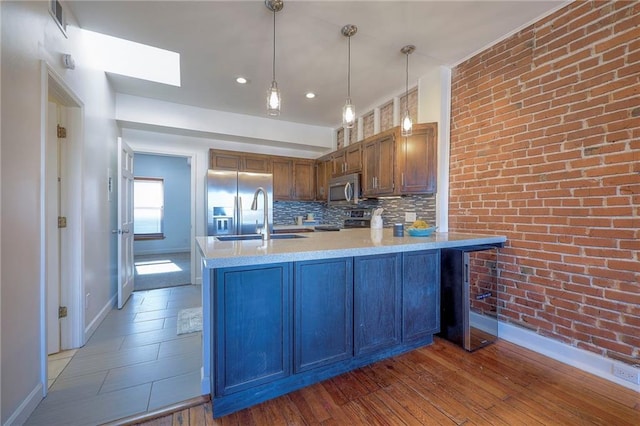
(148, 208)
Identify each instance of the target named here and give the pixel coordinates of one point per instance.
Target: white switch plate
(409, 216)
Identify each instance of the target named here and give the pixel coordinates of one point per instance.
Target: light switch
(409, 216)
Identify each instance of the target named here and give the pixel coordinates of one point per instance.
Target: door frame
(191, 157)
(71, 289)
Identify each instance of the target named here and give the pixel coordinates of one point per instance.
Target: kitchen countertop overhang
(327, 245)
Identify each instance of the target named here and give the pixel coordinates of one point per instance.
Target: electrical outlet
(409, 216)
(627, 372)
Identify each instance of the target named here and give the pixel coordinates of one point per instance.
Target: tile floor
(134, 362)
(57, 363)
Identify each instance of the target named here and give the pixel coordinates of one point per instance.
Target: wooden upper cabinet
(225, 160)
(256, 163)
(304, 180)
(378, 159)
(323, 173)
(347, 160)
(240, 161)
(417, 160)
(338, 162)
(282, 169)
(293, 179)
(353, 158)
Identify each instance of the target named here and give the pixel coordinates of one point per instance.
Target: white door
(52, 212)
(125, 222)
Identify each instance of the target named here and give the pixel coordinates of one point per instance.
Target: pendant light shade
(406, 124)
(349, 111)
(274, 100)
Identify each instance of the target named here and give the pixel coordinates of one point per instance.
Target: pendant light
(349, 111)
(274, 100)
(406, 123)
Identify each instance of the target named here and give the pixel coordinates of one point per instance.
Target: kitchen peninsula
(282, 314)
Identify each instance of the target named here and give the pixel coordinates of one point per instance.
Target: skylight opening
(131, 59)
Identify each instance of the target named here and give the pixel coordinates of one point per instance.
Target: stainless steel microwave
(344, 190)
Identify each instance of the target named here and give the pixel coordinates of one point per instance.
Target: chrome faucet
(266, 235)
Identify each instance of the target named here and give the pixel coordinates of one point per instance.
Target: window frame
(154, 235)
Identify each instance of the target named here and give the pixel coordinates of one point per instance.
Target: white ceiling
(220, 40)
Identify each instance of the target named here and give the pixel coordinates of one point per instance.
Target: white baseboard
(28, 405)
(93, 325)
(575, 357)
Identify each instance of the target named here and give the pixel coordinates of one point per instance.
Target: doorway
(162, 221)
(61, 309)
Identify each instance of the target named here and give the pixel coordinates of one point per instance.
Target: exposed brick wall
(545, 149)
(368, 125)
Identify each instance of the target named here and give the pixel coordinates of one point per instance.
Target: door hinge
(62, 312)
(62, 222)
(62, 132)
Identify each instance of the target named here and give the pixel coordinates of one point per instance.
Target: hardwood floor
(501, 384)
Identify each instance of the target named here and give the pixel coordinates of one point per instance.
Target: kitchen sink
(257, 237)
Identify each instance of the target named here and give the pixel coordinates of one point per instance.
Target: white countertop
(326, 245)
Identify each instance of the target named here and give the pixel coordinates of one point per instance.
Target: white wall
(434, 105)
(30, 36)
(135, 111)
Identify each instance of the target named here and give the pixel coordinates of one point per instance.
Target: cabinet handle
(402, 179)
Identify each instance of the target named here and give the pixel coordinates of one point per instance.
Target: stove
(357, 218)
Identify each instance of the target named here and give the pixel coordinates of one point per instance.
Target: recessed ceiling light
(241, 80)
(310, 95)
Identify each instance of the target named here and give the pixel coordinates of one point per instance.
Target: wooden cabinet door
(385, 164)
(369, 168)
(252, 308)
(420, 295)
(304, 180)
(378, 166)
(282, 169)
(353, 158)
(323, 171)
(377, 298)
(225, 160)
(417, 161)
(256, 163)
(323, 312)
(338, 161)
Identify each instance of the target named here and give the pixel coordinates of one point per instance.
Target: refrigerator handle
(239, 230)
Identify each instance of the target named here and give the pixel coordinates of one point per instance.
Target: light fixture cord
(274, 44)
(349, 69)
(406, 93)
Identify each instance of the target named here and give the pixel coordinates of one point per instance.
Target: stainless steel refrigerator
(229, 197)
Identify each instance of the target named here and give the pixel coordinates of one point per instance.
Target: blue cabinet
(252, 313)
(323, 312)
(420, 295)
(280, 327)
(377, 298)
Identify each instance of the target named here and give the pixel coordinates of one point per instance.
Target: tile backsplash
(285, 212)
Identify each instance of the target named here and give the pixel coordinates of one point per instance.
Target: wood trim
(161, 412)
